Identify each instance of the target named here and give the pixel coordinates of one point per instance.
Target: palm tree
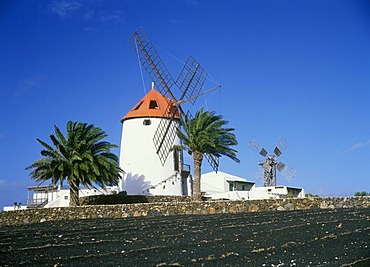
(205, 133)
(81, 157)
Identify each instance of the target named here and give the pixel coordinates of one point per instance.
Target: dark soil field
(290, 238)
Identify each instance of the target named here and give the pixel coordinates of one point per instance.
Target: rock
(289, 206)
(210, 257)
(233, 209)
(253, 208)
(314, 206)
(323, 205)
(154, 213)
(280, 208)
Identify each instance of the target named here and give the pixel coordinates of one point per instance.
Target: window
(138, 105)
(153, 104)
(238, 186)
(231, 187)
(147, 122)
(176, 160)
(65, 197)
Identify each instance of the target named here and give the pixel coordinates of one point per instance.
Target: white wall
(12, 208)
(213, 182)
(268, 192)
(215, 186)
(142, 165)
(231, 195)
(61, 199)
(62, 196)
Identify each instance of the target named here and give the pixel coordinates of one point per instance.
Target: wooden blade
(152, 62)
(191, 79)
(165, 133)
(213, 161)
(289, 174)
(281, 166)
(259, 175)
(281, 146)
(254, 145)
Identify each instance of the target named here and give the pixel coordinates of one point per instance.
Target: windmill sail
(191, 79)
(213, 161)
(190, 82)
(152, 62)
(289, 174)
(281, 146)
(277, 151)
(165, 133)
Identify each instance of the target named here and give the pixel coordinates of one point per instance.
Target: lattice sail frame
(190, 82)
(151, 61)
(213, 161)
(259, 175)
(166, 133)
(191, 79)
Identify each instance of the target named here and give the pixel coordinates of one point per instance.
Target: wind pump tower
(267, 172)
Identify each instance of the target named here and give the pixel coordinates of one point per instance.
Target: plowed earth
(290, 238)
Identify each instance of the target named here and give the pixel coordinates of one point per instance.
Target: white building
(221, 185)
(52, 196)
(144, 172)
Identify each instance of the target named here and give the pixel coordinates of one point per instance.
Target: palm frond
(81, 157)
(206, 133)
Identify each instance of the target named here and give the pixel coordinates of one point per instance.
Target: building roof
(153, 104)
(239, 181)
(225, 176)
(42, 188)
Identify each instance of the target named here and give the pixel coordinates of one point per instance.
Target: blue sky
(297, 69)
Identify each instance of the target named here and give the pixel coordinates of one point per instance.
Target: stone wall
(173, 208)
(125, 199)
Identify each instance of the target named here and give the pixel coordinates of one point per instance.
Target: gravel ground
(290, 238)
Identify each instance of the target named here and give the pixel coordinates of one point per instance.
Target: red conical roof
(153, 104)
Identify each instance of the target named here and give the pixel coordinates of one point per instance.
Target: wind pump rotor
(270, 163)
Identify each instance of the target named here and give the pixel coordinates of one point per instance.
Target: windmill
(189, 82)
(267, 173)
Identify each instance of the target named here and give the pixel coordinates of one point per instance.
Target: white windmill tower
(149, 131)
(144, 173)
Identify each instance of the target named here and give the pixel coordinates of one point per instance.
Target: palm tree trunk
(73, 193)
(197, 194)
